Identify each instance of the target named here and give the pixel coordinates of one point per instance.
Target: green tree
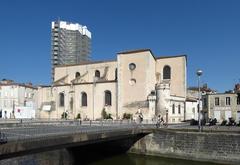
(127, 116)
(104, 114)
(78, 116)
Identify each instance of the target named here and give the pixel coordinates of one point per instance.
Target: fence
(40, 129)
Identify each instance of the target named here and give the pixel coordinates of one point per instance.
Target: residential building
(71, 44)
(137, 82)
(192, 101)
(17, 100)
(191, 105)
(222, 106)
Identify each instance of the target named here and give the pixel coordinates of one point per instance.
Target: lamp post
(199, 73)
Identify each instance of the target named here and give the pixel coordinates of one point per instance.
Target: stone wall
(212, 147)
(55, 157)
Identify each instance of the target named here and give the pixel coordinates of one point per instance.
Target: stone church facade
(137, 82)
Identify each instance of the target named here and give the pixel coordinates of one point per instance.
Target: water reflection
(133, 159)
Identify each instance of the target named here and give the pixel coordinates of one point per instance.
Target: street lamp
(199, 73)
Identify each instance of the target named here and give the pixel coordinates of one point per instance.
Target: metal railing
(40, 129)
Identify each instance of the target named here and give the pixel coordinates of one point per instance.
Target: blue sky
(208, 31)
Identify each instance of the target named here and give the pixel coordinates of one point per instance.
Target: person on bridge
(140, 117)
(158, 121)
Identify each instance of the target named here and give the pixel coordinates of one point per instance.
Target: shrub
(78, 116)
(231, 122)
(193, 122)
(104, 114)
(127, 116)
(212, 121)
(224, 122)
(109, 116)
(238, 124)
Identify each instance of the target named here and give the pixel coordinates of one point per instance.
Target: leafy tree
(104, 114)
(224, 122)
(127, 116)
(78, 116)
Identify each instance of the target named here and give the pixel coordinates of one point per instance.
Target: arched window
(108, 98)
(61, 99)
(116, 72)
(97, 73)
(84, 99)
(166, 72)
(179, 109)
(77, 74)
(173, 109)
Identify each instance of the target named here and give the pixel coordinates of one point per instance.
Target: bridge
(28, 137)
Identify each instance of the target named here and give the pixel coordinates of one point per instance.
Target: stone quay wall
(218, 147)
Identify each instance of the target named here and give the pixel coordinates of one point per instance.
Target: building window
(153, 92)
(216, 100)
(228, 101)
(193, 110)
(179, 109)
(173, 109)
(205, 102)
(166, 72)
(116, 72)
(97, 73)
(108, 98)
(77, 75)
(238, 99)
(84, 99)
(132, 66)
(61, 99)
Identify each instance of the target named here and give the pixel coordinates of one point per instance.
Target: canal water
(134, 159)
(62, 157)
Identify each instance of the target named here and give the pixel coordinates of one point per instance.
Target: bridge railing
(34, 130)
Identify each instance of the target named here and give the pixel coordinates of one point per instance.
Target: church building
(137, 82)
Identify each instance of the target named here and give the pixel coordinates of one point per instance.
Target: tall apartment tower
(71, 44)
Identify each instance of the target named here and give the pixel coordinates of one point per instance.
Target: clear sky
(208, 31)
